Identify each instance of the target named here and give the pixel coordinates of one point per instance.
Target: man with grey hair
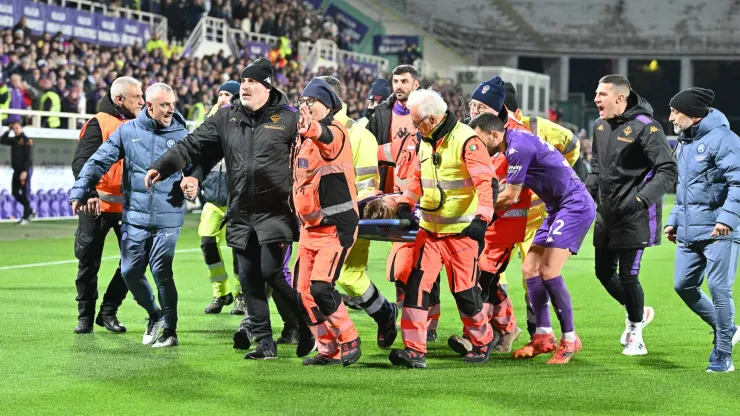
(453, 183)
(152, 213)
(103, 209)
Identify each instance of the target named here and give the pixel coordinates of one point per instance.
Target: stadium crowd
(72, 76)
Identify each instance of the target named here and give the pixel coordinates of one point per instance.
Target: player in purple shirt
(537, 165)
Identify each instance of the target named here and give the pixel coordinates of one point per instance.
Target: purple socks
(539, 299)
(560, 301)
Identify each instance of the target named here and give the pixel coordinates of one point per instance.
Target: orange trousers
(320, 260)
(398, 268)
(499, 309)
(459, 255)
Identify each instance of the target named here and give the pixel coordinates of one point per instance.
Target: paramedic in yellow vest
(353, 278)
(453, 183)
(566, 143)
(4, 101)
(50, 101)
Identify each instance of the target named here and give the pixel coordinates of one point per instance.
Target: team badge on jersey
(170, 143)
(275, 118)
(600, 128)
(701, 148)
(627, 130)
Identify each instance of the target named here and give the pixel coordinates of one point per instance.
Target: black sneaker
(168, 339)
(408, 358)
(479, 354)
(110, 322)
(306, 342)
(242, 339)
(387, 333)
(431, 335)
(266, 350)
(289, 335)
(351, 352)
(218, 303)
(321, 359)
(460, 344)
(240, 305)
(84, 326)
(350, 303)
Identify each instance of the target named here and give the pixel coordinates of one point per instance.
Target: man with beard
(254, 137)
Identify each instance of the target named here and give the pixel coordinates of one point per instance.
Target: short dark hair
(335, 85)
(406, 69)
(618, 80)
(487, 122)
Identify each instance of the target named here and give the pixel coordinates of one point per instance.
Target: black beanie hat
(693, 101)
(259, 70)
(510, 100)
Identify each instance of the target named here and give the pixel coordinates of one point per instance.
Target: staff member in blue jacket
(152, 215)
(706, 217)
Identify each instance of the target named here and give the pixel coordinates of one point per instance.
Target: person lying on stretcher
(385, 207)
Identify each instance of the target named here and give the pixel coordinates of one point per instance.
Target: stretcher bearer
(536, 165)
(454, 184)
(397, 153)
(353, 278)
(502, 235)
(325, 200)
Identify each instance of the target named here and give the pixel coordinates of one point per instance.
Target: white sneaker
(24, 221)
(647, 317)
(635, 344)
(166, 340)
(153, 330)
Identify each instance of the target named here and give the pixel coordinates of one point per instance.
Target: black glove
(406, 213)
(476, 230)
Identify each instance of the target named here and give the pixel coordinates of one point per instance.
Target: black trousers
(618, 271)
(260, 265)
(89, 243)
(21, 190)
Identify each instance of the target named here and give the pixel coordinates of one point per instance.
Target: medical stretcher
(386, 230)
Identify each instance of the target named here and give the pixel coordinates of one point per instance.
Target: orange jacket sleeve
(330, 139)
(385, 155)
(481, 170)
(412, 194)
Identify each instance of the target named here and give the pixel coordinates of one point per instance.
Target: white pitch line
(54, 263)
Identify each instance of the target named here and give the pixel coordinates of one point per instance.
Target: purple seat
(44, 206)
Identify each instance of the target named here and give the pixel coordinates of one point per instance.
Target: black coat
(631, 159)
(380, 126)
(21, 151)
(257, 157)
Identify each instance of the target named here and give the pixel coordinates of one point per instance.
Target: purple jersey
(541, 168)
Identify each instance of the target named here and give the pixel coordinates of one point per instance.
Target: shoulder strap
(644, 119)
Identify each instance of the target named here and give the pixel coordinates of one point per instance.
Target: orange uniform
(449, 201)
(326, 202)
(109, 188)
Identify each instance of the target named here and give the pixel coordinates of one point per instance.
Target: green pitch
(48, 370)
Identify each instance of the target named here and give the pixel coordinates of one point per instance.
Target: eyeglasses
(308, 102)
(417, 123)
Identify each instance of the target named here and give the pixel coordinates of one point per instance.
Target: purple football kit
(538, 166)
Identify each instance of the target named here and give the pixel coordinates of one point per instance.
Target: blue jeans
(156, 248)
(719, 260)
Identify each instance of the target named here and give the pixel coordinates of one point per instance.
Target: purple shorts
(568, 226)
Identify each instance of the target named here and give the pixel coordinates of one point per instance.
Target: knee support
(489, 286)
(434, 294)
(209, 247)
(469, 301)
(326, 298)
(411, 291)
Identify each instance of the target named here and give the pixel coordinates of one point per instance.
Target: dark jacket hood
(636, 106)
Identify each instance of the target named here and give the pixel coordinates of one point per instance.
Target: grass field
(46, 369)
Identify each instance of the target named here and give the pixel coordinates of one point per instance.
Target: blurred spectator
(22, 27)
(50, 101)
(17, 98)
(71, 104)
